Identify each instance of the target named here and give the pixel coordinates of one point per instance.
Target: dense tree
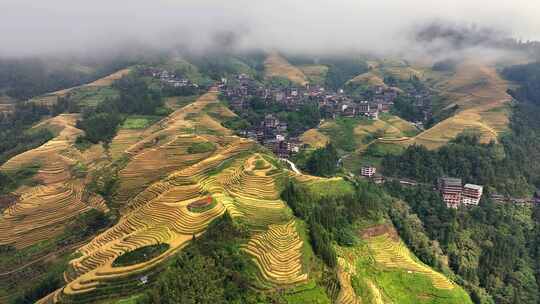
(330, 217)
(212, 269)
(498, 167)
(528, 75)
(488, 246)
(100, 126)
(24, 78)
(83, 226)
(195, 280)
(341, 70)
(100, 123)
(323, 161)
(404, 108)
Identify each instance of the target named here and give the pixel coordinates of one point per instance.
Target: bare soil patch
(380, 230)
(7, 200)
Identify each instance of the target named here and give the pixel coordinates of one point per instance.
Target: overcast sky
(33, 27)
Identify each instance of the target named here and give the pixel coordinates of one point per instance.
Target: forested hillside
(25, 78)
(493, 246)
(528, 77)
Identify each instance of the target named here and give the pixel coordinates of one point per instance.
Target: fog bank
(29, 27)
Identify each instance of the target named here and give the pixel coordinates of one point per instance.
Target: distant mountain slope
(481, 96)
(369, 78)
(277, 66)
(52, 98)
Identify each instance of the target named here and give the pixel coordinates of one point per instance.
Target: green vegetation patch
(82, 143)
(93, 96)
(380, 149)
(139, 255)
(201, 147)
(131, 300)
(139, 121)
(261, 165)
(12, 180)
(136, 98)
(83, 226)
(341, 133)
(307, 293)
(211, 269)
(330, 188)
(398, 285)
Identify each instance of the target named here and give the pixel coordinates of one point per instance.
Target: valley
(205, 173)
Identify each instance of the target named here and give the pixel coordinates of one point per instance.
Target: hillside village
(241, 90)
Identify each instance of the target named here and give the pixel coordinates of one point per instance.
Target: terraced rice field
(109, 79)
(55, 155)
(392, 253)
(6, 107)
(244, 186)
(162, 148)
(483, 103)
(402, 72)
(41, 212)
(255, 197)
(124, 139)
(314, 138)
(277, 66)
(159, 214)
(379, 127)
(346, 294)
(51, 98)
(277, 253)
(277, 248)
(158, 184)
(316, 73)
(369, 78)
(380, 269)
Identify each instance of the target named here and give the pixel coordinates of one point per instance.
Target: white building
(472, 194)
(368, 171)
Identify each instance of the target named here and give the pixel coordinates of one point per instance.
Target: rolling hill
(159, 180)
(483, 103)
(163, 181)
(277, 66)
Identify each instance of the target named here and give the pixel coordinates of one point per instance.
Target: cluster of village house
(169, 78)
(272, 133)
(332, 103)
(454, 193)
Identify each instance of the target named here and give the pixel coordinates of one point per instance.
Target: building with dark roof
(451, 190)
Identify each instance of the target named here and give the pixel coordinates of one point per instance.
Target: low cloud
(29, 27)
